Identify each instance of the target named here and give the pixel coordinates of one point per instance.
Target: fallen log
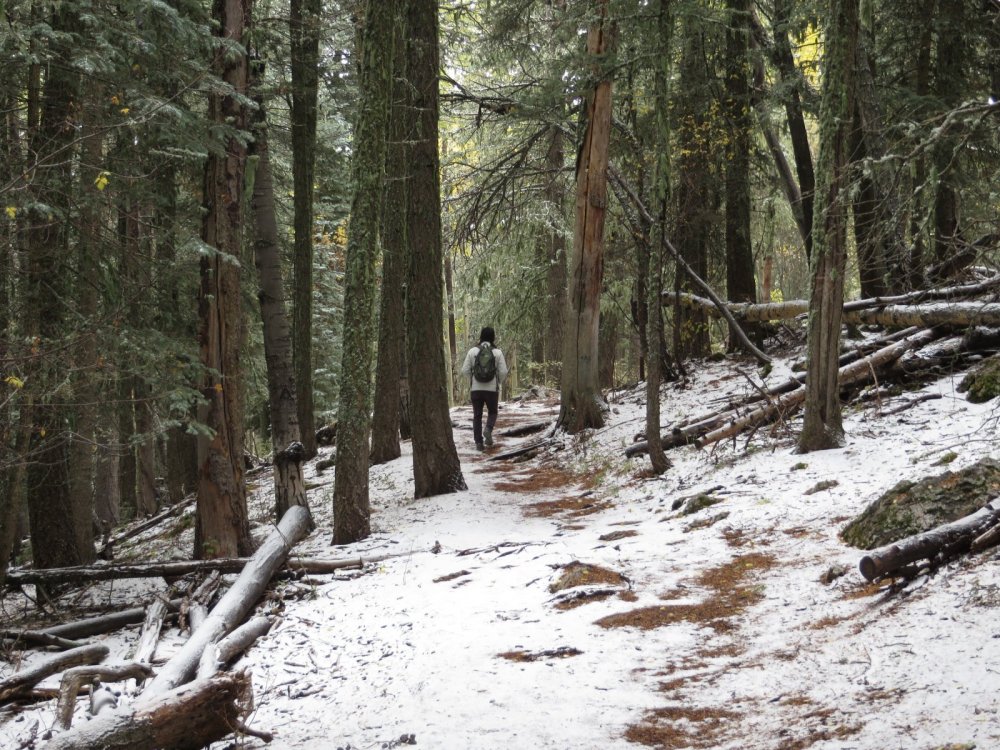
(525, 429)
(103, 623)
(73, 679)
(186, 718)
(216, 657)
(172, 569)
(36, 638)
(875, 311)
(237, 602)
(156, 613)
(857, 372)
(944, 541)
(22, 682)
(107, 550)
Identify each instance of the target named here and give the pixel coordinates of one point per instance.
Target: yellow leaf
(41, 432)
(218, 387)
(102, 181)
(14, 381)
(11, 212)
(124, 110)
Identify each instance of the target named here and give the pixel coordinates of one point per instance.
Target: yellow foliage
(14, 381)
(11, 212)
(102, 180)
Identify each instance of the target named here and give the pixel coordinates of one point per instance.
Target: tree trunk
(436, 468)
(60, 522)
(305, 24)
(792, 79)
(581, 404)
(949, 84)
(654, 375)
(282, 411)
(695, 211)
(822, 426)
(351, 509)
(555, 200)
(740, 283)
(222, 528)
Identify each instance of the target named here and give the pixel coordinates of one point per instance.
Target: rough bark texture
(822, 426)
(581, 406)
(305, 24)
(351, 509)
(740, 283)
(390, 366)
(436, 468)
(222, 528)
(949, 80)
(695, 191)
(60, 521)
(21, 682)
(281, 394)
(791, 78)
(555, 200)
(187, 718)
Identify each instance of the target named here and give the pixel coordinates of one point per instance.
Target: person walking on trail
(486, 369)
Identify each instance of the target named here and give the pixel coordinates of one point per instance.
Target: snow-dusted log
(103, 623)
(23, 638)
(237, 602)
(186, 718)
(784, 398)
(219, 654)
(73, 679)
(875, 311)
(150, 634)
(172, 569)
(23, 682)
(945, 540)
(855, 373)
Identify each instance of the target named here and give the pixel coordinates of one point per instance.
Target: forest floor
(561, 601)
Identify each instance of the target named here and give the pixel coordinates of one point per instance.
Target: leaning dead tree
(975, 532)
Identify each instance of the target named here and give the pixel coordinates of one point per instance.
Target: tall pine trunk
(289, 486)
(581, 404)
(390, 370)
(436, 468)
(61, 530)
(822, 426)
(222, 528)
(351, 508)
(305, 22)
(740, 283)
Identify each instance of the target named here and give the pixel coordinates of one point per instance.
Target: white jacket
(493, 385)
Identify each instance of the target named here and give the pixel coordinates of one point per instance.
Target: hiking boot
(488, 436)
(480, 447)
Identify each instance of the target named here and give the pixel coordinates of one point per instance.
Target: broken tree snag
(23, 682)
(186, 718)
(237, 602)
(289, 484)
(218, 655)
(73, 679)
(944, 541)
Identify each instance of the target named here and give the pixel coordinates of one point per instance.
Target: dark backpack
(484, 367)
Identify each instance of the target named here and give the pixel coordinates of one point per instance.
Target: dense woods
(387, 177)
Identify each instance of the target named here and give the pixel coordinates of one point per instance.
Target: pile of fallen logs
(933, 329)
(188, 701)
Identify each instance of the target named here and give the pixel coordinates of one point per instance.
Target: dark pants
(479, 398)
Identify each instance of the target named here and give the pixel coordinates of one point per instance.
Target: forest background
(548, 168)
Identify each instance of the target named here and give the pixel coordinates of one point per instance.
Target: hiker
(486, 369)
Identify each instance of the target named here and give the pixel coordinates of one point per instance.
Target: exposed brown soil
(540, 481)
(557, 653)
(578, 573)
(727, 598)
(573, 507)
(677, 727)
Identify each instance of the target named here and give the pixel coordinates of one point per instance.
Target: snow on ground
(721, 636)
